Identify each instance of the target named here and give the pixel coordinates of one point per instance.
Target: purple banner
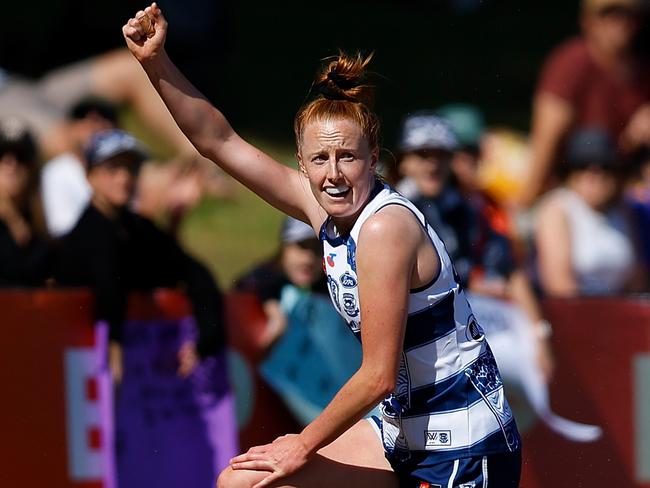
(171, 432)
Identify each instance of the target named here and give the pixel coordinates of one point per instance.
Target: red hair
(343, 94)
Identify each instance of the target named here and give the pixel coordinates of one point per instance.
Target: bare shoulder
(392, 225)
(552, 206)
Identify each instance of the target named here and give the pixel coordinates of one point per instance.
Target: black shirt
(115, 256)
(27, 265)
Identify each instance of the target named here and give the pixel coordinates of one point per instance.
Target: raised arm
(208, 129)
(552, 118)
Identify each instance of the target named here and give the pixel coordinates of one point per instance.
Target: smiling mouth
(337, 191)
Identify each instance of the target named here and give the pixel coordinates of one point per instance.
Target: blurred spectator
(165, 191)
(512, 284)
(596, 80)
(64, 186)
(25, 258)
(468, 124)
(638, 197)
(298, 262)
(168, 190)
(114, 251)
(305, 338)
(584, 236)
(426, 148)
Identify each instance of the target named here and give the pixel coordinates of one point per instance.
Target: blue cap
(425, 130)
(110, 143)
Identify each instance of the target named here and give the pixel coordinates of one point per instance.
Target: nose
(333, 171)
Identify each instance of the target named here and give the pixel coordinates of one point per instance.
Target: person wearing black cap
(595, 79)
(25, 258)
(114, 250)
(64, 187)
(584, 239)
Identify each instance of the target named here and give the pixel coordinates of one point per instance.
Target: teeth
(337, 190)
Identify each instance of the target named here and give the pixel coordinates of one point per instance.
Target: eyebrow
(326, 151)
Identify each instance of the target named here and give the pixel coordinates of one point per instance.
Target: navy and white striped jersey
(449, 396)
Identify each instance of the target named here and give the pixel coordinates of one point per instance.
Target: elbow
(380, 383)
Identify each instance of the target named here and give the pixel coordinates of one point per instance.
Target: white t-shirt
(66, 192)
(602, 250)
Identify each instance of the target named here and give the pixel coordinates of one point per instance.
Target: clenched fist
(145, 33)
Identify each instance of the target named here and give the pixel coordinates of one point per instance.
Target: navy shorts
(491, 471)
(501, 470)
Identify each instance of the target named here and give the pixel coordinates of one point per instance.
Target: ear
(374, 159)
(301, 165)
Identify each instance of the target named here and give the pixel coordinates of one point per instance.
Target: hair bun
(344, 78)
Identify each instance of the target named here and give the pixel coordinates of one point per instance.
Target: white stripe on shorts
(485, 472)
(452, 478)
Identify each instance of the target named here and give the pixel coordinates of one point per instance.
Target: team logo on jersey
(330, 259)
(334, 291)
(347, 280)
(436, 438)
(474, 331)
(350, 304)
(352, 254)
(354, 326)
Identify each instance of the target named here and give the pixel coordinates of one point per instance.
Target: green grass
(232, 235)
(229, 236)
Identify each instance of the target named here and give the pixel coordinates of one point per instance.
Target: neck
(105, 207)
(608, 59)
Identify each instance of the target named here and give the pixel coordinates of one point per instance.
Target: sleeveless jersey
(449, 397)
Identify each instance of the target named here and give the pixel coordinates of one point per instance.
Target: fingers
(248, 456)
(134, 30)
(268, 480)
(145, 22)
(260, 465)
(156, 14)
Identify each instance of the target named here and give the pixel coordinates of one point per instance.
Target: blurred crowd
(82, 203)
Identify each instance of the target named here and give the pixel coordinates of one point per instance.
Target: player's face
(340, 165)
(114, 180)
(429, 169)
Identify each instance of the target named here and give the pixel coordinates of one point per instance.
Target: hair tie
(328, 93)
(340, 81)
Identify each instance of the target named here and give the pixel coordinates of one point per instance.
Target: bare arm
(552, 118)
(383, 295)
(553, 240)
(208, 129)
(384, 286)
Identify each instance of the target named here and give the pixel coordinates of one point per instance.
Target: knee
(229, 478)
